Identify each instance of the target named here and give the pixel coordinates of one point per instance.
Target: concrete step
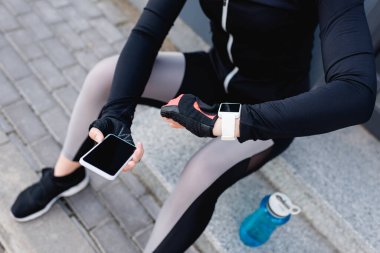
(166, 153)
(343, 169)
(332, 177)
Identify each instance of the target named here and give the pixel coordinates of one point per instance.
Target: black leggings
(213, 169)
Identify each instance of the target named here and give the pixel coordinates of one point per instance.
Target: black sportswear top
(272, 49)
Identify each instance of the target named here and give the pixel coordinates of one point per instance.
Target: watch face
(225, 107)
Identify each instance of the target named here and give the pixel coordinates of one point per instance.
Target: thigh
(211, 170)
(217, 157)
(166, 77)
(176, 73)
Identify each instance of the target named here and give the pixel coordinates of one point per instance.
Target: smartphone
(108, 157)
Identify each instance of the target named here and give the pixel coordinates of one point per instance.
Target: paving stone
(59, 3)
(17, 6)
(75, 75)
(65, 206)
(37, 27)
(126, 29)
(74, 19)
(24, 151)
(56, 122)
(3, 137)
(4, 125)
(22, 41)
(27, 125)
(125, 207)
(35, 94)
(87, 8)
(88, 208)
(107, 30)
(97, 182)
(57, 53)
(53, 232)
(85, 234)
(46, 151)
(66, 97)
(87, 59)
(141, 237)
(149, 177)
(8, 94)
(68, 37)
(118, 46)
(7, 21)
(133, 184)
(3, 41)
(112, 12)
(12, 64)
(2, 250)
(150, 205)
(46, 11)
(97, 43)
(111, 238)
(48, 73)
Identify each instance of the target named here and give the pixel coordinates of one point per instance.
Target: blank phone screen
(110, 155)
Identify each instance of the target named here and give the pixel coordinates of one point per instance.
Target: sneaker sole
(69, 192)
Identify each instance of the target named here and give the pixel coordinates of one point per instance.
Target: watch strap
(228, 126)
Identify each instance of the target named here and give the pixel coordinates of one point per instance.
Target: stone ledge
(166, 153)
(315, 209)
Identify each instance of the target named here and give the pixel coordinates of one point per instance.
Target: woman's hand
(190, 112)
(98, 136)
(199, 118)
(116, 118)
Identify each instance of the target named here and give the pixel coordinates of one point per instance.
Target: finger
(175, 125)
(136, 157)
(169, 120)
(139, 152)
(172, 123)
(96, 134)
(130, 165)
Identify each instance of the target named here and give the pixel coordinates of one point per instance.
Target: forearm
(322, 110)
(138, 55)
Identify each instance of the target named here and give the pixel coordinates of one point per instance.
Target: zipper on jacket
(229, 45)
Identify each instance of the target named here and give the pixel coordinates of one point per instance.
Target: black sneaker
(38, 198)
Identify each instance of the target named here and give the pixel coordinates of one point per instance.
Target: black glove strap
(116, 118)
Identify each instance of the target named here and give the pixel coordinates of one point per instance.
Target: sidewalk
(46, 49)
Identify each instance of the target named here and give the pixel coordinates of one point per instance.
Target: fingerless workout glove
(195, 115)
(116, 118)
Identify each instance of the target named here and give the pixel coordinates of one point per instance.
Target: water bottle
(274, 210)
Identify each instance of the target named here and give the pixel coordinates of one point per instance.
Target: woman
(260, 57)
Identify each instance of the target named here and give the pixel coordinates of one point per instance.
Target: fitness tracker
(229, 112)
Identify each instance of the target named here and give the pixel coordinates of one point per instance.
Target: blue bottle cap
(281, 205)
